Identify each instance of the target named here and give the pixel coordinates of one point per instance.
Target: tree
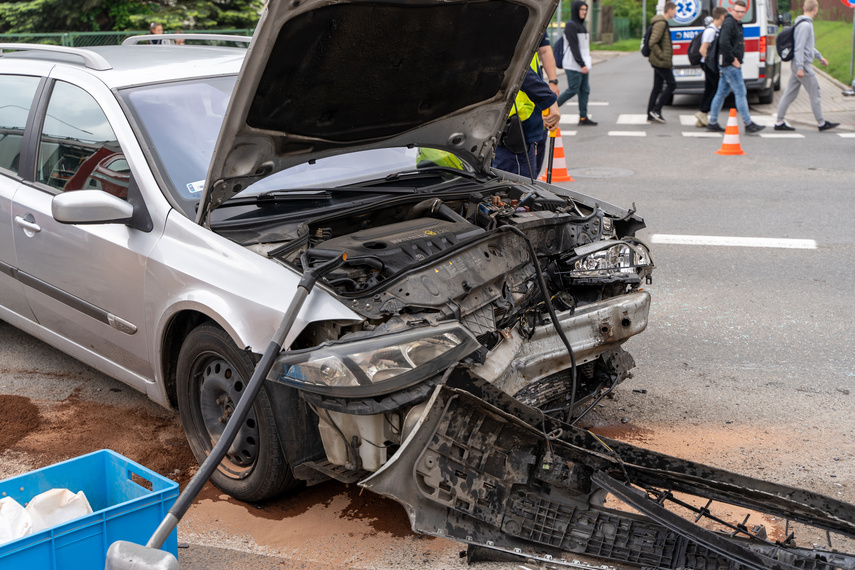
(45, 16)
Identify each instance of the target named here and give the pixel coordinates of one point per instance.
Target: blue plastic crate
(128, 502)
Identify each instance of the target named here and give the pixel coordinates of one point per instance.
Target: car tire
(212, 374)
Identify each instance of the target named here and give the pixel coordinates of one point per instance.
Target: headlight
(611, 258)
(375, 366)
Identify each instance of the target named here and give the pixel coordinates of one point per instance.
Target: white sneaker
(702, 119)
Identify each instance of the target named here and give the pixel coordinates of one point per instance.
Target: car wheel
(211, 376)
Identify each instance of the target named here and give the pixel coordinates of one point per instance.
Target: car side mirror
(784, 19)
(90, 207)
(99, 207)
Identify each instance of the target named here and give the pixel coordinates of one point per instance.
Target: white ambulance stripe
(627, 134)
(701, 134)
(733, 241)
(782, 136)
(624, 119)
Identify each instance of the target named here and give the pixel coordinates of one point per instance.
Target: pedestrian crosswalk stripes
(590, 103)
(630, 119)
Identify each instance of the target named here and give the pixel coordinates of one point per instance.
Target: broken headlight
(376, 366)
(600, 259)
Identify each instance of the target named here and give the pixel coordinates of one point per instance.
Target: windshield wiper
(327, 192)
(431, 171)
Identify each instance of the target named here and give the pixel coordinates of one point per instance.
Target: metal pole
(643, 17)
(852, 57)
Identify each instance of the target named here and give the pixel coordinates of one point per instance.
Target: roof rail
(168, 38)
(91, 59)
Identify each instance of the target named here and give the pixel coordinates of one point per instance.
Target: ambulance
(761, 67)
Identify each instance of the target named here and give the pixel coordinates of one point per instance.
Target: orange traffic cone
(730, 144)
(559, 165)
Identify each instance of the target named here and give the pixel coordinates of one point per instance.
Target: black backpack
(785, 43)
(645, 42)
(695, 49)
(711, 60)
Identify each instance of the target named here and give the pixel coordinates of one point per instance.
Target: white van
(761, 67)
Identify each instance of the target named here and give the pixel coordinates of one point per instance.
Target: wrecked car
(476, 315)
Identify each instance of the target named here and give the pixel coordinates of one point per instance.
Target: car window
(18, 92)
(181, 122)
(77, 149)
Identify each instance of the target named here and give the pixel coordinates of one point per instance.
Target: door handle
(28, 223)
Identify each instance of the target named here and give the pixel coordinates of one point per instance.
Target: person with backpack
(804, 52)
(577, 61)
(661, 53)
(731, 48)
(709, 64)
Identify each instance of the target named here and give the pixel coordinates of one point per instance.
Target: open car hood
(326, 77)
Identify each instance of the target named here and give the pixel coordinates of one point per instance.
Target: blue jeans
(515, 163)
(730, 82)
(577, 84)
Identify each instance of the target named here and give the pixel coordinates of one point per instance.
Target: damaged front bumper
(592, 330)
(482, 468)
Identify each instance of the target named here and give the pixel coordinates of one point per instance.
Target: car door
(18, 95)
(83, 282)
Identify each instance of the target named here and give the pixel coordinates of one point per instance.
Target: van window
(751, 9)
(18, 92)
(78, 149)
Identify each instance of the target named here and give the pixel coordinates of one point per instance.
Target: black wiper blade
(431, 171)
(327, 192)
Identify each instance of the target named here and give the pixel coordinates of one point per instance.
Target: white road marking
(782, 136)
(568, 133)
(688, 120)
(569, 119)
(702, 134)
(627, 134)
(733, 241)
(624, 119)
(765, 120)
(590, 103)
(846, 135)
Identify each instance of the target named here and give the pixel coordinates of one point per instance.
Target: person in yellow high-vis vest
(516, 152)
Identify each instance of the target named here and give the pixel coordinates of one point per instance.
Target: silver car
(160, 202)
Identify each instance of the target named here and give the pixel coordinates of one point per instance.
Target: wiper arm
(327, 192)
(430, 171)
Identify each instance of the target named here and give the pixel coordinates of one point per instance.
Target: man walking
(804, 52)
(709, 63)
(661, 53)
(577, 61)
(731, 47)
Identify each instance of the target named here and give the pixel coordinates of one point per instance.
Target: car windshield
(181, 122)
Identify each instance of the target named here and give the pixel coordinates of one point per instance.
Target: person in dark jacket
(519, 156)
(731, 49)
(661, 52)
(577, 61)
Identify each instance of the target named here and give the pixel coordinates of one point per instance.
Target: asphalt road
(750, 343)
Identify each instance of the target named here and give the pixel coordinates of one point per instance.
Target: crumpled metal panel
(479, 468)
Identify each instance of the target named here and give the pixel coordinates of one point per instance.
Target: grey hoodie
(804, 45)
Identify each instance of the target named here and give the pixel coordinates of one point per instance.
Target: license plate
(688, 72)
